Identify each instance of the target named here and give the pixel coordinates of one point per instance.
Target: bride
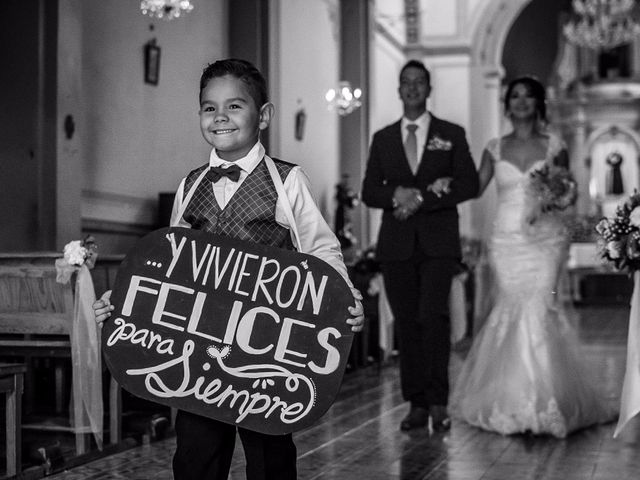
(524, 372)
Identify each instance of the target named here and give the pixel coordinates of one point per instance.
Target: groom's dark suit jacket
(434, 227)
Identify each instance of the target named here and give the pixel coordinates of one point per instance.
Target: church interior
(100, 123)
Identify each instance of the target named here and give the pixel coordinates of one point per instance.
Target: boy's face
(229, 118)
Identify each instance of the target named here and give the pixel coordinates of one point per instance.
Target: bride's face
(522, 104)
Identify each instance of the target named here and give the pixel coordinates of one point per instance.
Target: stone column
(578, 160)
(354, 139)
(70, 124)
(635, 57)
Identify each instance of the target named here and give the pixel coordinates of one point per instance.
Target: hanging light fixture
(343, 99)
(602, 24)
(165, 9)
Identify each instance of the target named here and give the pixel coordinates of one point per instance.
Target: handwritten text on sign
(236, 331)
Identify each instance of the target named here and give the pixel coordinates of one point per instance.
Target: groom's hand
(404, 196)
(407, 201)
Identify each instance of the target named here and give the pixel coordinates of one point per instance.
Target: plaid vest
(251, 212)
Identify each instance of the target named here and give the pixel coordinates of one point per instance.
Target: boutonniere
(439, 143)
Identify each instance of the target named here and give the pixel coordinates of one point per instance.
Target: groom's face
(414, 88)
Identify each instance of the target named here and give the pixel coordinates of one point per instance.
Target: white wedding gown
(524, 371)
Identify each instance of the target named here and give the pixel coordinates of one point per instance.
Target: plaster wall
(304, 67)
(439, 18)
(140, 139)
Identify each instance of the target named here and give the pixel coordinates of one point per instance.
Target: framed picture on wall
(301, 118)
(151, 62)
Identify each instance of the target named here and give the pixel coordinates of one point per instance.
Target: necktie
(411, 147)
(216, 173)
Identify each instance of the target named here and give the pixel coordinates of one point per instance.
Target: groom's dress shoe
(416, 418)
(439, 418)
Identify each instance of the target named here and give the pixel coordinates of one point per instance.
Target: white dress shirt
(422, 123)
(316, 237)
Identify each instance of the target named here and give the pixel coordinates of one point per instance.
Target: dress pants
(205, 450)
(418, 291)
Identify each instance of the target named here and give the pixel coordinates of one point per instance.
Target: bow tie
(232, 171)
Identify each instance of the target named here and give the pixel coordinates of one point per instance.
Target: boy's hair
(419, 65)
(241, 69)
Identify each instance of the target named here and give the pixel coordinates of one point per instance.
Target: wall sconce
(151, 62)
(300, 120)
(343, 99)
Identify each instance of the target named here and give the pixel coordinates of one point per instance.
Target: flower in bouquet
(553, 187)
(619, 236)
(76, 254)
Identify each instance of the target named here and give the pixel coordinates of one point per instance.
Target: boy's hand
(102, 308)
(357, 321)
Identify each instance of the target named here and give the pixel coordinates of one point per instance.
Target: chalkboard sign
(236, 331)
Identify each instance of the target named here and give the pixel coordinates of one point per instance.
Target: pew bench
(11, 385)
(36, 318)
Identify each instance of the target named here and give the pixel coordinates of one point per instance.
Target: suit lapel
(433, 130)
(398, 146)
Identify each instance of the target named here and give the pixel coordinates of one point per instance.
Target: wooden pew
(11, 383)
(36, 317)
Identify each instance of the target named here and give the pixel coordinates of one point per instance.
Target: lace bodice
(553, 148)
(508, 174)
(514, 204)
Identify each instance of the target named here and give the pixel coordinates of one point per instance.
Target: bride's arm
(485, 172)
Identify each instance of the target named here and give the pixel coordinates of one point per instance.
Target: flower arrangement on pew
(77, 253)
(619, 244)
(619, 236)
(554, 188)
(79, 256)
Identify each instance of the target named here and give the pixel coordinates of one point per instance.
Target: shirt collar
(246, 163)
(422, 121)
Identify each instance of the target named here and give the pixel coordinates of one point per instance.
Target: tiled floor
(359, 437)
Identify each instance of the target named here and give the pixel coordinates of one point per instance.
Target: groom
(419, 169)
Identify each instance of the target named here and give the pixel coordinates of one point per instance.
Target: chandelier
(343, 99)
(165, 9)
(602, 24)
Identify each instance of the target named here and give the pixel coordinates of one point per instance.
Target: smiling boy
(235, 195)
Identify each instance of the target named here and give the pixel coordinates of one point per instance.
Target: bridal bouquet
(619, 241)
(553, 187)
(76, 254)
